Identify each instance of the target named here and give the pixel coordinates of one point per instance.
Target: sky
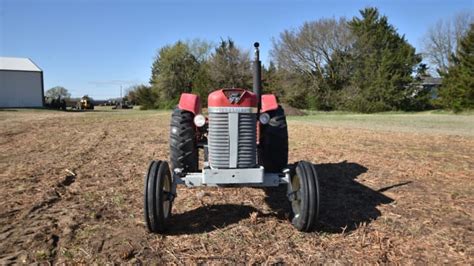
(95, 47)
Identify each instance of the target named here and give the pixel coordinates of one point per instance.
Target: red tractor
(245, 143)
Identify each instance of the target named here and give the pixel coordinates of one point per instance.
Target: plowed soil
(71, 190)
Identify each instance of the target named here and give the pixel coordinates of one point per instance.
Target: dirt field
(71, 191)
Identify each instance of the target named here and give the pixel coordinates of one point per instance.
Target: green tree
(58, 91)
(142, 95)
(422, 71)
(457, 89)
(230, 67)
(382, 65)
(200, 49)
(202, 83)
(173, 72)
(272, 80)
(421, 96)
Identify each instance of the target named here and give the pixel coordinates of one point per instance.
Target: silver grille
(232, 140)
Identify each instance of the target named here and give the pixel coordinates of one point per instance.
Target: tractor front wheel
(303, 193)
(158, 196)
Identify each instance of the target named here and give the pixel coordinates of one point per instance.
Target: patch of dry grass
(397, 196)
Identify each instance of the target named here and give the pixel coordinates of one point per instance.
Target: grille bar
(230, 138)
(218, 140)
(247, 150)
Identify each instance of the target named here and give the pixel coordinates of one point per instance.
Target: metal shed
(21, 83)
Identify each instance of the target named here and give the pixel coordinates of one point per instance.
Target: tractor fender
(269, 103)
(190, 102)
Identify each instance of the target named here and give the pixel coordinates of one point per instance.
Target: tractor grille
(232, 140)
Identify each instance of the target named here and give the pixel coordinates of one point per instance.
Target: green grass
(419, 122)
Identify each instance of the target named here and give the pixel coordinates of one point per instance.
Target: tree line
(193, 66)
(360, 64)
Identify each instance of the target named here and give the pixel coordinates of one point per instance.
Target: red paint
(190, 102)
(269, 103)
(219, 98)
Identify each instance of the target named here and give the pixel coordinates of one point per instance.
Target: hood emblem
(234, 97)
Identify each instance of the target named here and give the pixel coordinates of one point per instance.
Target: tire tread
(183, 148)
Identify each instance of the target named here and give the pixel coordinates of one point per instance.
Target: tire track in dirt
(96, 217)
(45, 223)
(37, 223)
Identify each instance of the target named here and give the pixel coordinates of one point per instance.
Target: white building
(21, 83)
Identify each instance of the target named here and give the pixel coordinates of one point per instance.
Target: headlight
(264, 118)
(199, 120)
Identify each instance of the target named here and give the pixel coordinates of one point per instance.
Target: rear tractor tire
(303, 193)
(158, 198)
(183, 147)
(274, 142)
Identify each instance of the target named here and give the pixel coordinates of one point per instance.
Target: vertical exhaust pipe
(257, 76)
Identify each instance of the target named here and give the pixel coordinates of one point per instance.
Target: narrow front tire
(158, 196)
(303, 193)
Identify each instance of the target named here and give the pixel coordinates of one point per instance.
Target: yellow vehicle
(85, 103)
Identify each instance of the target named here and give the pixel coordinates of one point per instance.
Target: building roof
(18, 64)
(431, 81)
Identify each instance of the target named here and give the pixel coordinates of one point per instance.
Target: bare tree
(441, 40)
(309, 48)
(314, 61)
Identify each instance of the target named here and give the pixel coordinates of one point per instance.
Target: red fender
(269, 103)
(190, 102)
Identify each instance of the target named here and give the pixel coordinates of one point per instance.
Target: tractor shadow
(344, 202)
(208, 218)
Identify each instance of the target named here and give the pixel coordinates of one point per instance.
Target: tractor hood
(232, 98)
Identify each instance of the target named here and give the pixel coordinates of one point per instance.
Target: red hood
(232, 98)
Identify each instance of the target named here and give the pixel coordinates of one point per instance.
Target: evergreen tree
(382, 64)
(271, 80)
(230, 67)
(422, 71)
(457, 89)
(421, 96)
